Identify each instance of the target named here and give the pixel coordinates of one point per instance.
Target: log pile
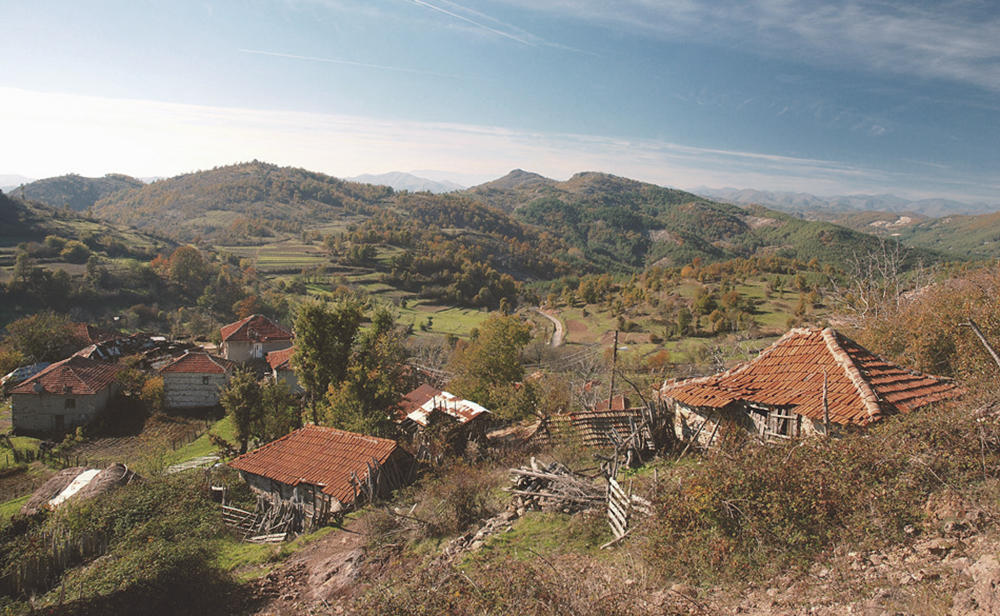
(553, 488)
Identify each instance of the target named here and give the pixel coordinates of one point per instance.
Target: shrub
(753, 510)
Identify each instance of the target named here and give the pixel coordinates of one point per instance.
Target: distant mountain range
(407, 181)
(831, 208)
(11, 181)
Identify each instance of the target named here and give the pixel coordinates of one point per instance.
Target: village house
(811, 381)
(195, 380)
(63, 396)
(281, 368)
(253, 338)
(326, 470)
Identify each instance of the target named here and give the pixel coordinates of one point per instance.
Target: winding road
(559, 333)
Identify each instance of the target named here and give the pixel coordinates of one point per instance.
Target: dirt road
(559, 333)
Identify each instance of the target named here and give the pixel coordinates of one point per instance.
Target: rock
(984, 596)
(875, 559)
(476, 545)
(938, 547)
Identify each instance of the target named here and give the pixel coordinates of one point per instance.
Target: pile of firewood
(553, 488)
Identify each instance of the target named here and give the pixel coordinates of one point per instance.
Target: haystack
(101, 482)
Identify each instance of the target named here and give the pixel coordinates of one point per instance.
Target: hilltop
(76, 192)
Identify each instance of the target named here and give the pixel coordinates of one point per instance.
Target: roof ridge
(868, 397)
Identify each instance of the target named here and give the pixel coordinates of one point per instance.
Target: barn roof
(255, 328)
(861, 386)
(198, 361)
(319, 456)
(280, 360)
(424, 400)
(73, 376)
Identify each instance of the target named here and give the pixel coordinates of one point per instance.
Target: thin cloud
(474, 22)
(347, 62)
(943, 40)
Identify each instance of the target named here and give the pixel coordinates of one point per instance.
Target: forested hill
(76, 192)
(624, 225)
(592, 222)
(242, 203)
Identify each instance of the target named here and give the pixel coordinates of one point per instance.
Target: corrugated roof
(319, 456)
(419, 404)
(280, 360)
(73, 376)
(255, 328)
(198, 361)
(861, 386)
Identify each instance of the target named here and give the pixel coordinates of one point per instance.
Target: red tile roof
(198, 361)
(280, 360)
(416, 398)
(74, 376)
(88, 334)
(255, 328)
(318, 456)
(861, 386)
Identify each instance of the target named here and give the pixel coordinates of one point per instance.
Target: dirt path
(559, 333)
(323, 573)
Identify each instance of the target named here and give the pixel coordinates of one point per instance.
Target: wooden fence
(619, 506)
(36, 575)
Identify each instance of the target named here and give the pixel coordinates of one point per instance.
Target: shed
(253, 338)
(64, 395)
(326, 469)
(807, 382)
(195, 380)
(281, 368)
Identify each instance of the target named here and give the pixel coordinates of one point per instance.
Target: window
(204, 380)
(70, 403)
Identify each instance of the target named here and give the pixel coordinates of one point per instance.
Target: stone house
(326, 470)
(253, 338)
(63, 396)
(281, 368)
(810, 382)
(195, 380)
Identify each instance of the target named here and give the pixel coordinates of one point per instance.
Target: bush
(752, 511)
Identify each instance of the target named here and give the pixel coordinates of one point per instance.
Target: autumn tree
(487, 369)
(39, 337)
(188, 270)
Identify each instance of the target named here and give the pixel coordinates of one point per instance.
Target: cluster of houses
(810, 382)
(59, 397)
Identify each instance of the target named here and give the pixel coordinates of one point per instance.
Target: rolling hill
(76, 192)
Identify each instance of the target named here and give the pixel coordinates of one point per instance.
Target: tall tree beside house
(487, 370)
(324, 338)
(242, 402)
(265, 411)
(375, 382)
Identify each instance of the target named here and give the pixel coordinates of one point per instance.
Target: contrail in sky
(348, 62)
(474, 22)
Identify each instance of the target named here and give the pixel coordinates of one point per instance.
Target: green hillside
(623, 225)
(76, 192)
(963, 236)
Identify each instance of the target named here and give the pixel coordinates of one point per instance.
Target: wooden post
(826, 407)
(982, 338)
(614, 366)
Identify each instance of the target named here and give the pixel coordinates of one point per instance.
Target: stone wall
(40, 412)
(186, 390)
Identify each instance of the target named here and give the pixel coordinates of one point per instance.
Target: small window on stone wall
(204, 380)
(71, 403)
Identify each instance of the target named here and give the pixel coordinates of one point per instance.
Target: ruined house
(253, 338)
(326, 470)
(63, 396)
(195, 380)
(811, 381)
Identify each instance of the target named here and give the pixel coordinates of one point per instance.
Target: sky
(828, 98)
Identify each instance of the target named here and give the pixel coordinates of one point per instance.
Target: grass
(11, 507)
(545, 534)
(202, 446)
(445, 319)
(248, 561)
